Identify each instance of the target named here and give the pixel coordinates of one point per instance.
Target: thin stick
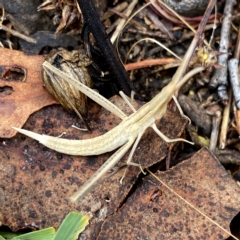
(155, 19)
(182, 68)
(225, 122)
(122, 21)
(220, 76)
(17, 34)
(233, 70)
(155, 41)
(125, 23)
(150, 63)
(119, 8)
(216, 121)
(176, 14)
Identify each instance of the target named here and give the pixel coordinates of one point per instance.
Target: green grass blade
(73, 224)
(8, 235)
(44, 234)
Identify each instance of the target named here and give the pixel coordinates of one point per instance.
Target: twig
(216, 121)
(154, 41)
(159, 24)
(237, 111)
(225, 121)
(219, 78)
(233, 71)
(180, 18)
(237, 119)
(147, 33)
(120, 7)
(228, 156)
(17, 34)
(122, 21)
(226, 115)
(237, 47)
(149, 63)
(94, 25)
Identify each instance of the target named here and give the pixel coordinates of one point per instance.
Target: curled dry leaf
(21, 89)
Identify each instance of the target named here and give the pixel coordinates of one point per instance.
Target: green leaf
(8, 235)
(44, 234)
(73, 224)
(1, 238)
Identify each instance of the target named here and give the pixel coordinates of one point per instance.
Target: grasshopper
(128, 133)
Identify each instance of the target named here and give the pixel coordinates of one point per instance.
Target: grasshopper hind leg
(129, 160)
(165, 138)
(180, 109)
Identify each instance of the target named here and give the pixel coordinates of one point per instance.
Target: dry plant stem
(119, 8)
(167, 66)
(237, 47)
(122, 21)
(19, 35)
(233, 71)
(237, 119)
(151, 40)
(237, 56)
(176, 14)
(228, 156)
(216, 121)
(159, 24)
(94, 25)
(220, 75)
(2, 17)
(147, 33)
(150, 62)
(234, 82)
(168, 160)
(225, 122)
(123, 16)
(182, 68)
(125, 23)
(190, 204)
(214, 26)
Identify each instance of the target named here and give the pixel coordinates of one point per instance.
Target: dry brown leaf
(20, 97)
(35, 182)
(154, 212)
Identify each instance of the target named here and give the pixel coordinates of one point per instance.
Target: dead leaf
(154, 212)
(36, 182)
(22, 96)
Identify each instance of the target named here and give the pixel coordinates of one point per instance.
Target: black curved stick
(94, 25)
